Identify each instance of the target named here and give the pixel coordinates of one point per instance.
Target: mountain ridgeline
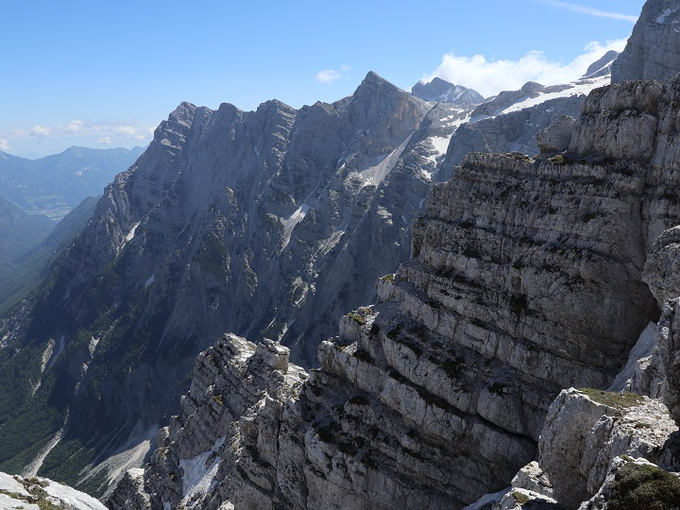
(528, 275)
(271, 224)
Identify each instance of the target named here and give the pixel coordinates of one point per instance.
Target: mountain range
(496, 288)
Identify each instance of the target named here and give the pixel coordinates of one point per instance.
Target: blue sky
(104, 74)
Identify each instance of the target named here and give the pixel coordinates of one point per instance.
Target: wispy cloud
(40, 131)
(589, 10)
(489, 77)
(328, 76)
(107, 130)
(4, 144)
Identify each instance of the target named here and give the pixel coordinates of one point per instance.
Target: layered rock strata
(526, 277)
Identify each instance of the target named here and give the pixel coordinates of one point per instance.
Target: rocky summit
(527, 276)
(441, 91)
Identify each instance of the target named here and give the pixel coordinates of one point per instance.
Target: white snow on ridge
(376, 174)
(198, 477)
(130, 235)
(579, 88)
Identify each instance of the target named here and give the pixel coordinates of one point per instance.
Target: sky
(105, 74)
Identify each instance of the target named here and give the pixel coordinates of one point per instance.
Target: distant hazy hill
(56, 184)
(28, 243)
(20, 231)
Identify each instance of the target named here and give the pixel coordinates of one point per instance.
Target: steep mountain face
(56, 184)
(653, 50)
(267, 223)
(441, 91)
(526, 277)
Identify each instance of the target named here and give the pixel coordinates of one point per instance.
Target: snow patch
(130, 235)
(292, 221)
(579, 88)
(487, 499)
(376, 174)
(643, 348)
(197, 476)
(150, 280)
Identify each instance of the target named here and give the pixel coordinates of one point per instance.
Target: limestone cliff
(526, 277)
(653, 50)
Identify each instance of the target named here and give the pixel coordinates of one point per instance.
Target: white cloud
(346, 68)
(108, 131)
(40, 131)
(328, 76)
(589, 10)
(74, 126)
(489, 77)
(4, 144)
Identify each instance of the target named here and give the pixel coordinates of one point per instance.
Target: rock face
(441, 91)
(653, 50)
(510, 121)
(526, 277)
(268, 223)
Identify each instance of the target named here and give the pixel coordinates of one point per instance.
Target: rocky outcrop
(653, 50)
(40, 493)
(526, 277)
(441, 91)
(556, 137)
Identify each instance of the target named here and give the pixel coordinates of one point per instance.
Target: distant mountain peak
(441, 91)
(602, 66)
(374, 82)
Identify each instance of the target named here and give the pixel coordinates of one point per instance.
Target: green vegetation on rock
(639, 486)
(608, 398)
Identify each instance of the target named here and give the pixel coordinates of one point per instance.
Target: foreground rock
(40, 494)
